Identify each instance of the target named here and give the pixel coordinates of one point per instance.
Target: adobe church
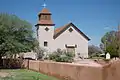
(68, 37)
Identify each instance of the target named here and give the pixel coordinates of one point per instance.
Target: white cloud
(106, 28)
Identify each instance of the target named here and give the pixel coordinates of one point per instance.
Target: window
(70, 30)
(45, 43)
(70, 48)
(45, 17)
(46, 28)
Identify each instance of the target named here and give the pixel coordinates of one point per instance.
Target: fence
(69, 71)
(11, 63)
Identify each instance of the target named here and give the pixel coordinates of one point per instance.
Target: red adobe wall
(69, 71)
(112, 71)
(34, 65)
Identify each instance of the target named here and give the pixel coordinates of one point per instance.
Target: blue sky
(93, 17)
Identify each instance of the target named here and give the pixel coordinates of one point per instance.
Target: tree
(16, 35)
(108, 38)
(111, 44)
(94, 51)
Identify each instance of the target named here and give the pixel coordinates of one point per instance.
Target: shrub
(12, 63)
(40, 52)
(94, 55)
(61, 56)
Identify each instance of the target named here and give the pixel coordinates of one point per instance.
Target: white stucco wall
(44, 35)
(72, 38)
(69, 38)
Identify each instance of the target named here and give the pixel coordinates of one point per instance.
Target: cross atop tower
(45, 17)
(44, 5)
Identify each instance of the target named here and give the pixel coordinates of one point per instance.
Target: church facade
(67, 37)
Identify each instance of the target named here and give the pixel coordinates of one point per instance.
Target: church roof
(45, 11)
(57, 30)
(42, 18)
(60, 30)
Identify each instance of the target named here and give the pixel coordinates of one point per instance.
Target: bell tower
(45, 28)
(45, 18)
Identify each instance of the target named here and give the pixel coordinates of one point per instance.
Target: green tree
(110, 42)
(16, 35)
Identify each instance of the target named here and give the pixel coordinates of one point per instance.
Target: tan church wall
(72, 38)
(46, 36)
(69, 38)
(66, 38)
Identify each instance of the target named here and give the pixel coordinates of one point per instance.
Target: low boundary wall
(70, 71)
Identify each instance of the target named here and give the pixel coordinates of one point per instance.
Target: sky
(93, 17)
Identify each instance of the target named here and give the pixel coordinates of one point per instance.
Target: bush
(61, 56)
(12, 63)
(40, 52)
(95, 55)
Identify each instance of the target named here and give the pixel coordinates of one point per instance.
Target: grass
(23, 74)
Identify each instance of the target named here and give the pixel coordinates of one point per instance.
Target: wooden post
(28, 64)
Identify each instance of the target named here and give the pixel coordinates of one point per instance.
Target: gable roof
(60, 30)
(57, 30)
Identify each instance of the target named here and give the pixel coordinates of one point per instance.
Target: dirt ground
(3, 74)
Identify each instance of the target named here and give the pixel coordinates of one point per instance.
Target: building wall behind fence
(67, 71)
